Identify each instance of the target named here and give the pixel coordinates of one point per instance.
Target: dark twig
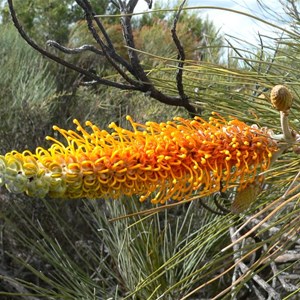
(272, 229)
(149, 2)
(246, 271)
(85, 5)
(240, 55)
(262, 52)
(261, 282)
(77, 50)
(270, 65)
(181, 53)
(131, 5)
(219, 205)
(88, 83)
(221, 213)
(111, 49)
(90, 17)
(139, 80)
(289, 287)
(126, 11)
(55, 58)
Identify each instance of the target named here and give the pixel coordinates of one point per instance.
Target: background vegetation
(60, 249)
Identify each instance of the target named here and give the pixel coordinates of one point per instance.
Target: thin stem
(90, 16)
(142, 82)
(287, 133)
(181, 53)
(77, 50)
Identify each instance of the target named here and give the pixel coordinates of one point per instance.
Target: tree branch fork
(134, 77)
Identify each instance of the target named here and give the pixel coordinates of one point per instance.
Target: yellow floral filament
(166, 161)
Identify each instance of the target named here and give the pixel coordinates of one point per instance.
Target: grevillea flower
(161, 161)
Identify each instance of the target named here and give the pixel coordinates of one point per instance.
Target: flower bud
(281, 98)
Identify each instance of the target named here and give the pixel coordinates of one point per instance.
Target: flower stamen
(168, 160)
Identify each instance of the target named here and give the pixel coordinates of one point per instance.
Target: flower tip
(143, 198)
(112, 125)
(281, 98)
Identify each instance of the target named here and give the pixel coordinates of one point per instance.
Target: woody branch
(133, 75)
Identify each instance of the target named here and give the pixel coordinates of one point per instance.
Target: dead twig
(60, 61)
(272, 230)
(77, 50)
(130, 70)
(181, 53)
(246, 271)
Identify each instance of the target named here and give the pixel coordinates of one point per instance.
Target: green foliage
(198, 36)
(89, 257)
(45, 20)
(158, 13)
(26, 89)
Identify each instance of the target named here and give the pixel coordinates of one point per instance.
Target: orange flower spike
(171, 159)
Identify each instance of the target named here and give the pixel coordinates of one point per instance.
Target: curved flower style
(167, 160)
